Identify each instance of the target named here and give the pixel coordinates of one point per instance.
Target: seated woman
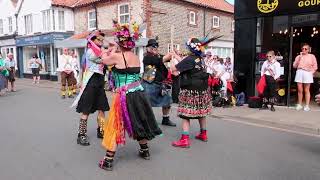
(130, 112)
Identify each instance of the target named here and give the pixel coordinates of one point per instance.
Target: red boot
(184, 142)
(202, 136)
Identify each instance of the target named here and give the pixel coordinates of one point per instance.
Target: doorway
(299, 36)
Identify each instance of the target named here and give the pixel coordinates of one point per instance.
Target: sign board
(254, 8)
(41, 39)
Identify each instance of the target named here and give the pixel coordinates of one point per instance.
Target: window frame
(125, 14)
(61, 24)
(195, 18)
(213, 22)
(233, 25)
(89, 20)
(46, 20)
(175, 46)
(10, 24)
(28, 24)
(1, 27)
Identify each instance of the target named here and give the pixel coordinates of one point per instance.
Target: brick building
(185, 18)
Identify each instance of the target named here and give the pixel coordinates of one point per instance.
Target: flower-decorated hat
(126, 35)
(197, 46)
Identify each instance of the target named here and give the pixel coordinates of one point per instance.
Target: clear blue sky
(231, 1)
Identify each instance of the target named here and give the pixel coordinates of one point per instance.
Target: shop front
(8, 45)
(43, 46)
(279, 25)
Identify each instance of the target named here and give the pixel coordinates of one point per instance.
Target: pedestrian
(11, 66)
(228, 66)
(219, 73)
(271, 70)
(131, 111)
(92, 96)
(155, 75)
(318, 99)
(76, 71)
(306, 65)
(3, 74)
(194, 98)
(67, 74)
(34, 64)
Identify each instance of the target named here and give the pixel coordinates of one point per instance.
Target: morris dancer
(194, 97)
(131, 111)
(155, 74)
(67, 74)
(92, 96)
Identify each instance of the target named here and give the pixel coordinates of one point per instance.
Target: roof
(64, 3)
(215, 4)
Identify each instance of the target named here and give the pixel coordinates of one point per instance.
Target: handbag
(261, 85)
(165, 89)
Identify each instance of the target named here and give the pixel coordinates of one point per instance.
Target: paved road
(38, 133)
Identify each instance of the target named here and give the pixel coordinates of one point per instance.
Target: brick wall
(106, 12)
(174, 12)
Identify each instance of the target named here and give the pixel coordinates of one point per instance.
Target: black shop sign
(255, 8)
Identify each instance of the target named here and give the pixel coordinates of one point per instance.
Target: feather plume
(210, 40)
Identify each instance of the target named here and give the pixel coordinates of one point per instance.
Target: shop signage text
(254, 8)
(41, 39)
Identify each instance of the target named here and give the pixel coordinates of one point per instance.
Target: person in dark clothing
(154, 80)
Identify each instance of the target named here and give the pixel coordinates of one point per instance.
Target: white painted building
(8, 27)
(40, 23)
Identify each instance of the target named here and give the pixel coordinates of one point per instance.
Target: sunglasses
(305, 49)
(269, 56)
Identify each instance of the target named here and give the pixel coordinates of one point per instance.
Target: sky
(231, 1)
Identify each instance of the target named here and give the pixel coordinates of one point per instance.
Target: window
(92, 20)
(232, 25)
(192, 18)
(175, 46)
(124, 14)
(46, 20)
(1, 26)
(223, 52)
(61, 20)
(215, 22)
(28, 24)
(10, 24)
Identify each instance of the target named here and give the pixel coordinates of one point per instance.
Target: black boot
(264, 106)
(272, 109)
(107, 162)
(99, 133)
(83, 140)
(82, 137)
(166, 122)
(144, 151)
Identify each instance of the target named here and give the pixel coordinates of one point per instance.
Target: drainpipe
(204, 22)
(96, 12)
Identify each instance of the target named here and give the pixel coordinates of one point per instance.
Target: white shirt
(65, 63)
(271, 69)
(33, 63)
(218, 68)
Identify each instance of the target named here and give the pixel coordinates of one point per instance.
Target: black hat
(153, 43)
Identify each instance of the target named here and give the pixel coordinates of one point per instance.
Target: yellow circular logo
(281, 92)
(268, 6)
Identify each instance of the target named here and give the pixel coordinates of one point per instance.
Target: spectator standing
(34, 64)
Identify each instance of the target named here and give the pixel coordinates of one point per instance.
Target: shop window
(192, 18)
(1, 26)
(92, 20)
(61, 20)
(124, 14)
(175, 47)
(222, 52)
(28, 24)
(46, 20)
(10, 24)
(216, 22)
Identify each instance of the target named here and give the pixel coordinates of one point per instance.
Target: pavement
(286, 118)
(38, 142)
